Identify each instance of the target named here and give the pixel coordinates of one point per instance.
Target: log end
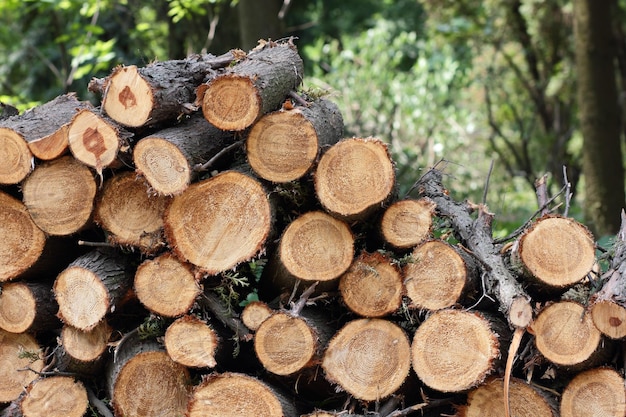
(56, 396)
(610, 318)
(231, 102)
(18, 351)
(51, 146)
(163, 165)
(254, 314)
(17, 160)
(83, 299)
(92, 140)
(407, 223)
(128, 98)
(191, 342)
(598, 390)
(18, 307)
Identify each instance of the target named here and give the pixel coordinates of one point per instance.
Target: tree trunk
(599, 116)
(598, 391)
(259, 19)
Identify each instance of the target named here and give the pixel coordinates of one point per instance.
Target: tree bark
(599, 116)
(83, 352)
(259, 19)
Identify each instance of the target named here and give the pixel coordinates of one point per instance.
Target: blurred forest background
(531, 85)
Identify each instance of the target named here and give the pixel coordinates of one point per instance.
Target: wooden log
(440, 276)
(83, 352)
(258, 83)
(455, 350)
(59, 195)
(192, 342)
(166, 286)
(27, 307)
(237, 395)
(18, 160)
(368, 358)
(407, 223)
(313, 247)
(372, 286)
(487, 400)
(22, 240)
(55, 396)
(231, 218)
(95, 140)
(595, 392)
(158, 92)
(565, 335)
(355, 178)
(555, 252)
(131, 216)
(143, 381)
(91, 286)
(283, 145)
(254, 314)
(18, 351)
(167, 158)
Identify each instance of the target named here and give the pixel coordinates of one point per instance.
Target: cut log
(487, 400)
(556, 252)
(95, 140)
(407, 223)
(355, 178)
(130, 215)
(254, 86)
(368, 358)
(313, 247)
(595, 392)
(56, 396)
(167, 158)
(455, 350)
(27, 307)
(192, 342)
(17, 159)
(237, 395)
(565, 335)
(440, 276)
(219, 222)
(158, 92)
(22, 240)
(166, 286)
(372, 286)
(254, 314)
(59, 195)
(283, 146)
(83, 352)
(18, 351)
(91, 286)
(143, 381)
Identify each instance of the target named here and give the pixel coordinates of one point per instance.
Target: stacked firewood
(207, 242)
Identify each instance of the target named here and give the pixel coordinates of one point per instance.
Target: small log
(368, 358)
(143, 381)
(254, 86)
(27, 307)
(22, 241)
(83, 352)
(283, 146)
(565, 335)
(555, 252)
(18, 160)
(192, 342)
(440, 276)
(159, 92)
(219, 222)
(237, 395)
(313, 247)
(372, 286)
(59, 195)
(355, 178)
(95, 140)
(91, 286)
(407, 223)
(454, 350)
(18, 352)
(487, 400)
(166, 159)
(55, 396)
(166, 286)
(595, 392)
(131, 216)
(254, 314)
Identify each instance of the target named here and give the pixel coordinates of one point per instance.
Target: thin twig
(95, 244)
(298, 98)
(98, 404)
(487, 183)
(210, 162)
(568, 192)
(297, 307)
(541, 191)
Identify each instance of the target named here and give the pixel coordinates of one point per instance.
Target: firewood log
(192, 342)
(258, 83)
(406, 223)
(55, 396)
(254, 314)
(283, 145)
(18, 351)
(83, 352)
(131, 216)
(166, 286)
(27, 307)
(59, 195)
(598, 391)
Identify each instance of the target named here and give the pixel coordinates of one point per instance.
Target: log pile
(208, 243)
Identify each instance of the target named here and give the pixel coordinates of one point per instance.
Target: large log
(595, 392)
(56, 396)
(258, 83)
(18, 352)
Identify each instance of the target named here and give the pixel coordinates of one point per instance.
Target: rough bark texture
(27, 306)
